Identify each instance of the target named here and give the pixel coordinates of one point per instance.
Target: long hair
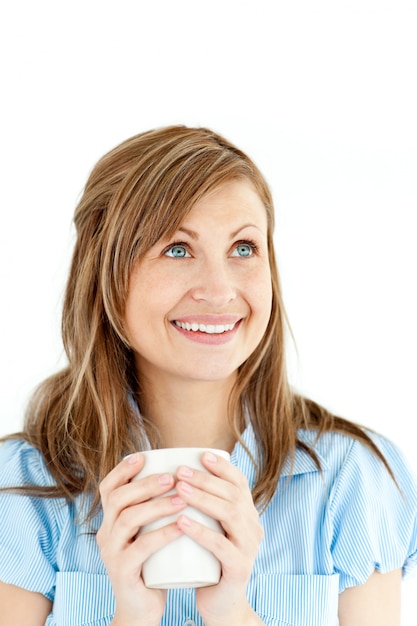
(83, 419)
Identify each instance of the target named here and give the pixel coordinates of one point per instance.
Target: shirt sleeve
(28, 527)
(374, 520)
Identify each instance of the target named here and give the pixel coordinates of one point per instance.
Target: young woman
(174, 328)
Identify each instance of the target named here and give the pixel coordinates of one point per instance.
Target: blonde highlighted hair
(83, 419)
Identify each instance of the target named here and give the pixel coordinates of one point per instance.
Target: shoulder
(365, 507)
(359, 486)
(343, 455)
(370, 510)
(29, 531)
(22, 464)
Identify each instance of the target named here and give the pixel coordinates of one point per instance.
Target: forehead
(237, 199)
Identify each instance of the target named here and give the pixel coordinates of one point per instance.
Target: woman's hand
(128, 506)
(224, 495)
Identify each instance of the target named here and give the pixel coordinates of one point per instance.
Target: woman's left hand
(224, 495)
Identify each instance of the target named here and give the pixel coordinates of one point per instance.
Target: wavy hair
(82, 419)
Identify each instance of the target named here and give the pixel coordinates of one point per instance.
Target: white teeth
(210, 329)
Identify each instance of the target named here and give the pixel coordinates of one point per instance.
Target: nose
(214, 284)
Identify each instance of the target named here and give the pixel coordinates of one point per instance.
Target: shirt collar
(301, 464)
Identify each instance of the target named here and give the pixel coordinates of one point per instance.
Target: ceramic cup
(183, 562)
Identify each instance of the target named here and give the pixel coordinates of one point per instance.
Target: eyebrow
(194, 235)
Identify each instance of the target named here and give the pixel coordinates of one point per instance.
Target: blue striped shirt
(323, 532)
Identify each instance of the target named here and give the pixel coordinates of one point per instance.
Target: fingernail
(210, 457)
(177, 501)
(132, 459)
(184, 521)
(185, 487)
(165, 479)
(187, 472)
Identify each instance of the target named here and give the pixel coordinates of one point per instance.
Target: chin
(212, 374)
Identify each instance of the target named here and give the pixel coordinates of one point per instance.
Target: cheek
(150, 301)
(261, 295)
(265, 310)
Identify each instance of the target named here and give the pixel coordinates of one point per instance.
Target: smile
(210, 329)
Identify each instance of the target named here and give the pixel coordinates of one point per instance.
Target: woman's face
(199, 303)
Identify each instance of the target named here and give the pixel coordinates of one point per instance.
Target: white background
(321, 94)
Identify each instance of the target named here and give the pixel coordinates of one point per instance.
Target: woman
(174, 328)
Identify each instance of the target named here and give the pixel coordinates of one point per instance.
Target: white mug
(183, 562)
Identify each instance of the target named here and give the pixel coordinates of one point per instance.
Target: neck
(189, 413)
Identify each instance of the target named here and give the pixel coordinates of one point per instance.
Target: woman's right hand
(127, 506)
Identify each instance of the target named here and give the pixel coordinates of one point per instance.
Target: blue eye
(177, 251)
(244, 250)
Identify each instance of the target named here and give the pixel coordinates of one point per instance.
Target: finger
(121, 474)
(135, 493)
(235, 563)
(148, 543)
(217, 467)
(221, 467)
(136, 552)
(239, 520)
(230, 486)
(205, 501)
(133, 518)
(140, 490)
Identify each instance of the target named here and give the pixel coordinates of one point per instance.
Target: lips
(210, 329)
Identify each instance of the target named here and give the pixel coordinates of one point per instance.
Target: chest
(292, 583)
